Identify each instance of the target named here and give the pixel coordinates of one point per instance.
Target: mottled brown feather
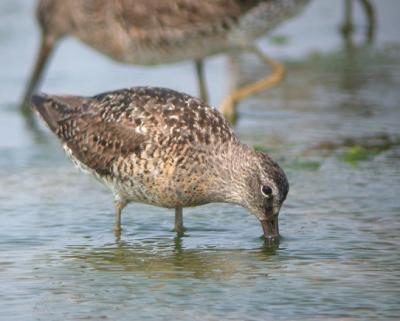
(161, 147)
(148, 15)
(98, 144)
(178, 14)
(98, 130)
(151, 32)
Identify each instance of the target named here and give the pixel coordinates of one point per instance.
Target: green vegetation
(279, 40)
(262, 148)
(305, 165)
(355, 154)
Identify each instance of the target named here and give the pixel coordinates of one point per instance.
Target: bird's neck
(231, 173)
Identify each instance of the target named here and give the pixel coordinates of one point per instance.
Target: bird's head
(265, 188)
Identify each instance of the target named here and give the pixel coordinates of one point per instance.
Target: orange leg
(227, 107)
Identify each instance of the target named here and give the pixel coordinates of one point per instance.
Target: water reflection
(168, 259)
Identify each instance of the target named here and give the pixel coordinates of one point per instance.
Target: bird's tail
(54, 109)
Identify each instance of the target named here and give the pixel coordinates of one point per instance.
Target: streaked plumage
(151, 32)
(163, 148)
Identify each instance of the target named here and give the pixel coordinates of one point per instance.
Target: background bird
(152, 32)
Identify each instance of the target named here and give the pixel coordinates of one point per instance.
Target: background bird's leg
(234, 70)
(233, 83)
(44, 53)
(179, 229)
(201, 80)
(347, 26)
(119, 206)
(278, 72)
(369, 11)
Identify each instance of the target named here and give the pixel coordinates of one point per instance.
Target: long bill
(271, 229)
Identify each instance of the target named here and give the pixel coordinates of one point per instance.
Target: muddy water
(334, 127)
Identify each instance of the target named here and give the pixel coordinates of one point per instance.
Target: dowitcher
(164, 148)
(152, 32)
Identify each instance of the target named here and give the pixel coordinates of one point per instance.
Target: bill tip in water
(271, 230)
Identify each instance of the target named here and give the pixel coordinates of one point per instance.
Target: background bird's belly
(189, 49)
(160, 50)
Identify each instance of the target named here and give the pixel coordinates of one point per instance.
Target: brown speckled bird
(152, 32)
(164, 148)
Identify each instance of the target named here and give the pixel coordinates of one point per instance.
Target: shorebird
(161, 147)
(152, 32)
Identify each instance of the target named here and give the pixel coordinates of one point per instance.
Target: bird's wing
(145, 16)
(94, 139)
(98, 144)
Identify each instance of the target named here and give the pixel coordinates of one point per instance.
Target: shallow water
(334, 127)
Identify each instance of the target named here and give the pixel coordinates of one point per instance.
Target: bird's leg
(119, 206)
(233, 68)
(46, 48)
(347, 26)
(369, 10)
(179, 229)
(227, 107)
(234, 71)
(201, 80)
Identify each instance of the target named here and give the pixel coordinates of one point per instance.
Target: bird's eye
(266, 190)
